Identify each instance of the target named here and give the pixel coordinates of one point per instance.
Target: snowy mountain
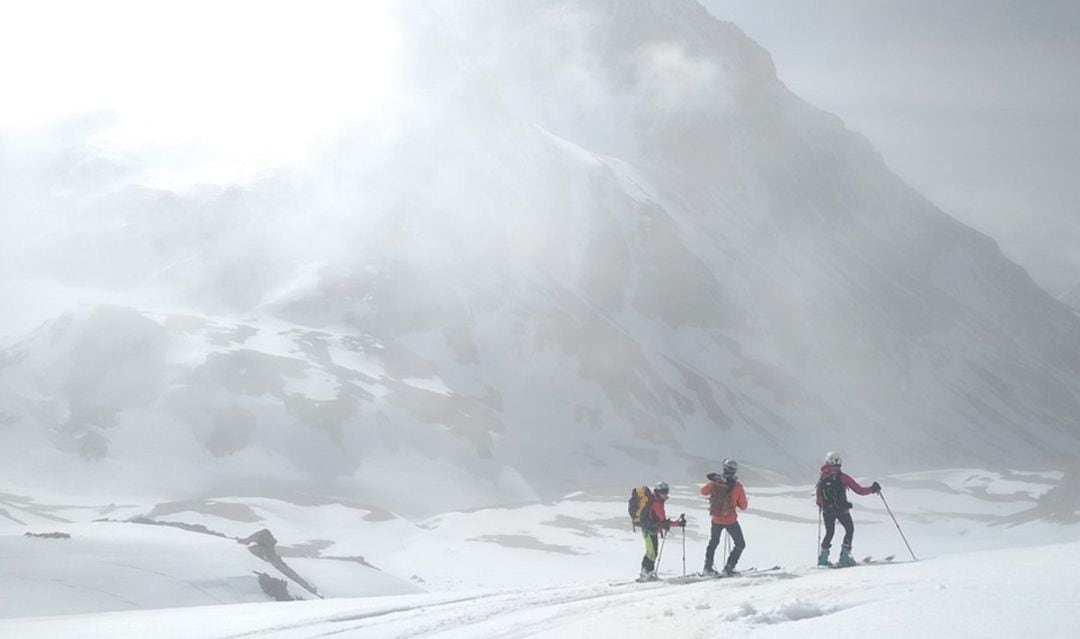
(587, 243)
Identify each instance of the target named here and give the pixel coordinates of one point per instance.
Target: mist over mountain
(1071, 298)
(584, 242)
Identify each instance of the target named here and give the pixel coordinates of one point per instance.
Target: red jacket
(829, 469)
(654, 519)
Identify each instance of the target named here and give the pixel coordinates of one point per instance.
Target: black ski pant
(830, 527)
(735, 531)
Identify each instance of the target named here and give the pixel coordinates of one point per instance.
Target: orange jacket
(738, 498)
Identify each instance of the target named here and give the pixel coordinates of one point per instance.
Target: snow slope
(990, 594)
(536, 567)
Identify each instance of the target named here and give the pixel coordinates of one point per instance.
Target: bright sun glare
(234, 82)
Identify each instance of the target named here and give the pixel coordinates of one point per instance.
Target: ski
(701, 576)
(698, 577)
(749, 572)
(869, 559)
(866, 561)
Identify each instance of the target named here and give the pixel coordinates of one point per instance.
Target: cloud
(241, 84)
(678, 80)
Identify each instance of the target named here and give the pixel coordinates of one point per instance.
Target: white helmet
(660, 487)
(730, 466)
(832, 458)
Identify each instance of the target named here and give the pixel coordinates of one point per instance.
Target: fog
(516, 248)
(974, 103)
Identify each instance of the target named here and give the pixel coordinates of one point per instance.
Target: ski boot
(647, 575)
(709, 571)
(823, 558)
(845, 557)
(728, 571)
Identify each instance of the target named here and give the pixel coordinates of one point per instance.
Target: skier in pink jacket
(832, 500)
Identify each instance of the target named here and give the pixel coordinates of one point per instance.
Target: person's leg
(735, 530)
(710, 550)
(826, 543)
(849, 528)
(648, 562)
(849, 532)
(830, 529)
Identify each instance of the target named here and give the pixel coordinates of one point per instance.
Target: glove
(680, 522)
(712, 477)
(875, 487)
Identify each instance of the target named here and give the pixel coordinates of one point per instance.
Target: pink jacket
(828, 469)
(654, 519)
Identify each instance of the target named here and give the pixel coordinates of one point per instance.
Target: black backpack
(832, 494)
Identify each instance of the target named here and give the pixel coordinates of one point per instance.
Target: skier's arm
(707, 489)
(854, 485)
(739, 497)
(662, 521)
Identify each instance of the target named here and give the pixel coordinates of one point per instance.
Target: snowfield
(1004, 593)
(989, 566)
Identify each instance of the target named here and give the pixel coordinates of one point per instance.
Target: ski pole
(897, 526)
(682, 518)
(818, 549)
(659, 553)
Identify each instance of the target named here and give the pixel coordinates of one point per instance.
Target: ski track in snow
(529, 612)
(446, 619)
(516, 614)
(961, 594)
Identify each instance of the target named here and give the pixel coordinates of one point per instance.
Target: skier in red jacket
(832, 500)
(655, 524)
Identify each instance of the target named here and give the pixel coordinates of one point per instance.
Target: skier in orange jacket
(725, 493)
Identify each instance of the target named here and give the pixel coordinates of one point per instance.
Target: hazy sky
(173, 84)
(976, 103)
